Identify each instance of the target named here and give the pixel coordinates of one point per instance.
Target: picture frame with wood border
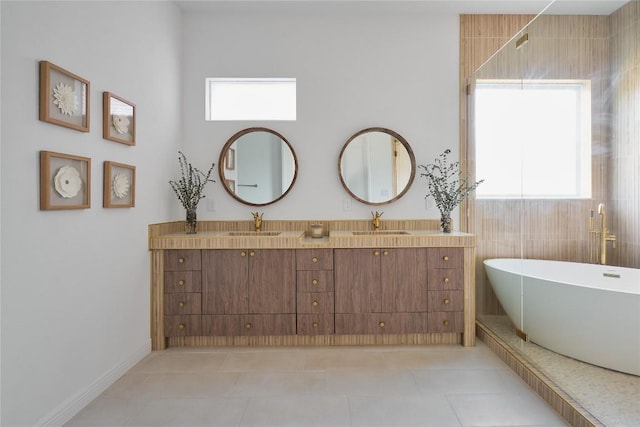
(119, 189)
(65, 181)
(230, 159)
(119, 119)
(64, 97)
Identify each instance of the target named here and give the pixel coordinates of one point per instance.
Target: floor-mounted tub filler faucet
(602, 236)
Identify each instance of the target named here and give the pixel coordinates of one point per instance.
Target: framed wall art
(119, 119)
(119, 185)
(65, 181)
(230, 160)
(231, 184)
(64, 97)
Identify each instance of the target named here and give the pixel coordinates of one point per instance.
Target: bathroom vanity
(228, 285)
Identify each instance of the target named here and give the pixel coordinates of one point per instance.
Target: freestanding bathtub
(585, 311)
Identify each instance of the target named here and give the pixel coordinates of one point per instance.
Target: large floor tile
(265, 361)
(254, 384)
(218, 412)
(297, 411)
(371, 382)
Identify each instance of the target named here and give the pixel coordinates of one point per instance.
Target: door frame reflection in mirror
(396, 193)
(226, 178)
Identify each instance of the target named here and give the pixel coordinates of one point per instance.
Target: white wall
(354, 68)
(75, 284)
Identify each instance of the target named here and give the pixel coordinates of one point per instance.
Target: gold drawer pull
(243, 253)
(314, 303)
(445, 323)
(314, 282)
(181, 326)
(315, 325)
(445, 258)
(181, 261)
(446, 280)
(180, 282)
(381, 324)
(314, 260)
(181, 304)
(446, 301)
(376, 253)
(252, 253)
(248, 326)
(385, 253)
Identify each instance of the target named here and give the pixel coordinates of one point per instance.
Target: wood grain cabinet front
(182, 325)
(446, 295)
(315, 296)
(241, 282)
(182, 260)
(381, 323)
(182, 297)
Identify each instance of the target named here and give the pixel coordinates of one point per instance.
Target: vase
(191, 222)
(445, 222)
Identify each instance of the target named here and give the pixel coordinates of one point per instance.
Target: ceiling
(448, 7)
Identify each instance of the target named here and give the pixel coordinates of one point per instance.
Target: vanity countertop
(300, 239)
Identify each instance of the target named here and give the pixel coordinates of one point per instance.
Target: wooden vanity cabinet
(381, 290)
(315, 291)
(446, 299)
(182, 293)
(248, 292)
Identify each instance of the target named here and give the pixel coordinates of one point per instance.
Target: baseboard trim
(70, 407)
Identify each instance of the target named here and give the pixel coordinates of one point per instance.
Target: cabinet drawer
(182, 260)
(381, 323)
(315, 302)
(314, 259)
(445, 301)
(182, 303)
(182, 281)
(315, 324)
(446, 321)
(445, 257)
(181, 325)
(315, 281)
(441, 279)
(221, 325)
(268, 324)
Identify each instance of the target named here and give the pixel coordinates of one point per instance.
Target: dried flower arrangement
(446, 186)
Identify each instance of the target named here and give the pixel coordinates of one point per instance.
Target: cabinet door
(357, 280)
(224, 281)
(272, 281)
(404, 280)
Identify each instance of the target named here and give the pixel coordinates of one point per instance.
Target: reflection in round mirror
(257, 166)
(377, 166)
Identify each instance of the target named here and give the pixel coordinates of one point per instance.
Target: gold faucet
(257, 220)
(376, 220)
(604, 235)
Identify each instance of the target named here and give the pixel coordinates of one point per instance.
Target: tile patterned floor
(440, 386)
(612, 397)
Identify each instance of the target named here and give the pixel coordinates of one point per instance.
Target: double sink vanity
(406, 283)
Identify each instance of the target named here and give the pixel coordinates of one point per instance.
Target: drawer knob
(252, 253)
(181, 304)
(446, 301)
(445, 280)
(314, 282)
(315, 303)
(181, 261)
(381, 324)
(180, 282)
(181, 326)
(243, 253)
(314, 260)
(385, 253)
(445, 258)
(376, 253)
(445, 323)
(248, 326)
(315, 325)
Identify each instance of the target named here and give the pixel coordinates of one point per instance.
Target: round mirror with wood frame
(376, 166)
(257, 166)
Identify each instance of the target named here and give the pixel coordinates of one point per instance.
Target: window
(250, 99)
(533, 138)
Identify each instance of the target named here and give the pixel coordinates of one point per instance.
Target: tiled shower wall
(584, 47)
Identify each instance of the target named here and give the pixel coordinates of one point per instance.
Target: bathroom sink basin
(253, 233)
(380, 233)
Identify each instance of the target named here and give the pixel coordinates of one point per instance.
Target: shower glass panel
(599, 56)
